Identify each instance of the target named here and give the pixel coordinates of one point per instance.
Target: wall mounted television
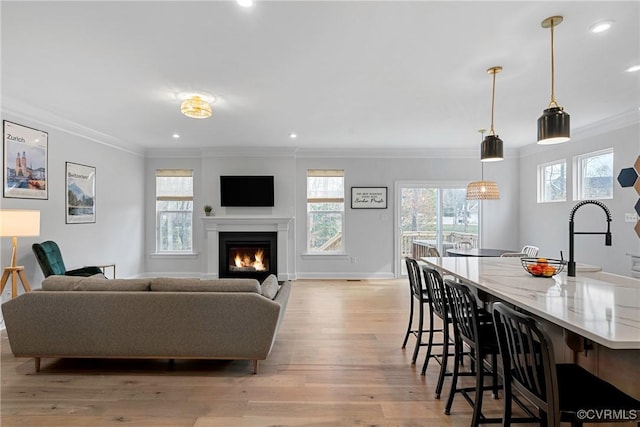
(246, 190)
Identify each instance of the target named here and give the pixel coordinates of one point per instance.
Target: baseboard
(346, 276)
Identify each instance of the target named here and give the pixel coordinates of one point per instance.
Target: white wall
(208, 166)
(547, 224)
(514, 220)
(115, 237)
(369, 234)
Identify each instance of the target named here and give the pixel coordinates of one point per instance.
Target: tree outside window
(552, 182)
(174, 210)
(594, 175)
(325, 210)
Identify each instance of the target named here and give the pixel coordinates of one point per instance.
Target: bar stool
(418, 295)
(437, 305)
(472, 326)
(563, 392)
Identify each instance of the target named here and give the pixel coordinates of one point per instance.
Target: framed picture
(81, 193)
(368, 197)
(25, 162)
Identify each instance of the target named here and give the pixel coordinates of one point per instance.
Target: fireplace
(282, 227)
(247, 254)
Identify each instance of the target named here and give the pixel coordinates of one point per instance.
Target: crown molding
(249, 152)
(398, 153)
(46, 119)
(609, 124)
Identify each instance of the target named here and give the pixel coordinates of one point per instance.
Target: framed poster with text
(368, 197)
(25, 162)
(81, 193)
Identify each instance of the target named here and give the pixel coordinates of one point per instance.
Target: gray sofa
(147, 318)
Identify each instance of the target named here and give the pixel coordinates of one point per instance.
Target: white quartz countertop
(602, 307)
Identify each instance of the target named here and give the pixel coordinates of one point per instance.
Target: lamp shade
(553, 126)
(483, 190)
(491, 149)
(196, 107)
(17, 223)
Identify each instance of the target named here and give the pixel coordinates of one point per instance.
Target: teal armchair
(50, 259)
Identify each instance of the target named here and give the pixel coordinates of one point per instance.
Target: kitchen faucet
(607, 239)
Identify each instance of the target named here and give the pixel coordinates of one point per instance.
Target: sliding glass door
(433, 216)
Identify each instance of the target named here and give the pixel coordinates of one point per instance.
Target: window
(552, 182)
(174, 210)
(325, 210)
(594, 175)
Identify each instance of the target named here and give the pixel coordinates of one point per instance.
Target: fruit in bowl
(543, 267)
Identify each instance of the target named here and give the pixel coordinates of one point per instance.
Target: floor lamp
(16, 223)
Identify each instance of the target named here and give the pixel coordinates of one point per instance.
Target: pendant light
(483, 190)
(491, 149)
(553, 125)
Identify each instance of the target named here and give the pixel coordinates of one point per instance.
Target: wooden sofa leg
(255, 367)
(36, 361)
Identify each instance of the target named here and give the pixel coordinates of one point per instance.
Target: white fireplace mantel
(283, 226)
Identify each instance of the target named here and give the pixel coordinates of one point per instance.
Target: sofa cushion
(270, 286)
(172, 284)
(79, 283)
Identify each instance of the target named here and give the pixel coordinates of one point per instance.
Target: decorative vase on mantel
(208, 210)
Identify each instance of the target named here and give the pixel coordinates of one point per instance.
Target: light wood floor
(336, 361)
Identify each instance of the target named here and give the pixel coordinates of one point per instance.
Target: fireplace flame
(258, 265)
(245, 260)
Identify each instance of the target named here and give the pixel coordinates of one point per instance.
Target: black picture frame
(369, 197)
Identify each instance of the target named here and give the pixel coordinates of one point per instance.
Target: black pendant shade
(553, 126)
(491, 150)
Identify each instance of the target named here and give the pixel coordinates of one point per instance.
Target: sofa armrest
(282, 298)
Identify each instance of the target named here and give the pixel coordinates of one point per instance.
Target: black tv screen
(246, 190)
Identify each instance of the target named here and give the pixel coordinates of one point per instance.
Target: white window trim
(541, 182)
(332, 254)
(577, 173)
(168, 173)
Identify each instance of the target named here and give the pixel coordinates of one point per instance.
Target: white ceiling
(341, 74)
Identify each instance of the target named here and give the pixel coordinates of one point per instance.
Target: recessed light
(245, 3)
(175, 136)
(633, 68)
(601, 27)
(293, 135)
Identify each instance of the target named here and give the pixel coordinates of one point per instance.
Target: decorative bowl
(543, 267)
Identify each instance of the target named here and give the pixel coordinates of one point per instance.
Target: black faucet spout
(571, 265)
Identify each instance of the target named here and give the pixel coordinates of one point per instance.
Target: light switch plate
(630, 217)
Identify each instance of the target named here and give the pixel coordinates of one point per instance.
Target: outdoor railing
(451, 239)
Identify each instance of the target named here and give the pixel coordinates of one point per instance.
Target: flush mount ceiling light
(491, 150)
(553, 125)
(196, 106)
(245, 3)
(483, 190)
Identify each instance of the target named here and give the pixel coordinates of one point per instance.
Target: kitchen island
(593, 319)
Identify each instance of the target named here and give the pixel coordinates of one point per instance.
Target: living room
(393, 94)
(125, 174)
